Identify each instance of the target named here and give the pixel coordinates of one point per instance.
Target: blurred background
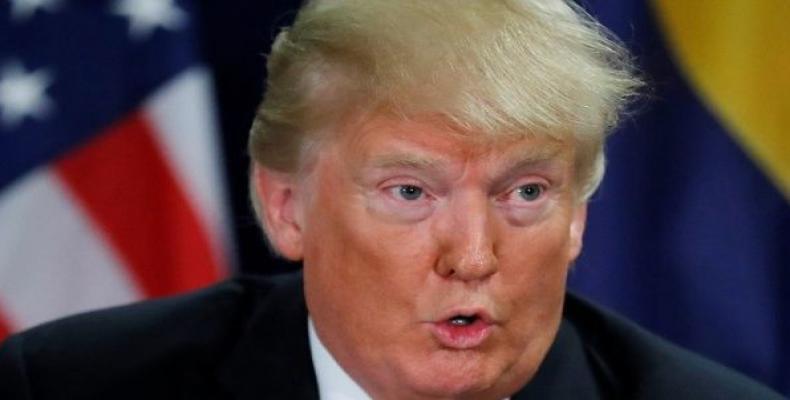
(123, 170)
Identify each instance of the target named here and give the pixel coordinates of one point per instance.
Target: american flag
(110, 184)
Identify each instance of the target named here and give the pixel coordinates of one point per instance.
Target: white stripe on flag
(183, 116)
(52, 260)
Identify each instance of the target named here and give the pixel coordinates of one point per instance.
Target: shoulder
(180, 335)
(640, 365)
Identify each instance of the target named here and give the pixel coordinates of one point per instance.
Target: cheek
(545, 243)
(354, 257)
(362, 277)
(534, 263)
(532, 276)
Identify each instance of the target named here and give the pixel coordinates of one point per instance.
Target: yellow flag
(736, 54)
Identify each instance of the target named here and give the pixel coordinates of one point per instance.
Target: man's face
(434, 264)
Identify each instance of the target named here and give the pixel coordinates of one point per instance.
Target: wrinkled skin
(398, 222)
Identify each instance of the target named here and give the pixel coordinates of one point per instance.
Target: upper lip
(477, 312)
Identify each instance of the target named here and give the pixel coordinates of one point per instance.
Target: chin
(462, 375)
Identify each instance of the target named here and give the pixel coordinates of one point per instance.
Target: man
(429, 162)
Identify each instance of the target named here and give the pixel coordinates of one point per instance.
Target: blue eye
(410, 192)
(530, 192)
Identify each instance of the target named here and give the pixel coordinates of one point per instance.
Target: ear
(578, 222)
(278, 199)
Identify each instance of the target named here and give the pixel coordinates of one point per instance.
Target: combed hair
(487, 67)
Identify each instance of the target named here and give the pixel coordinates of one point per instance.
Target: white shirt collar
(333, 382)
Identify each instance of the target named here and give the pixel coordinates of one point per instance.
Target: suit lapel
(272, 358)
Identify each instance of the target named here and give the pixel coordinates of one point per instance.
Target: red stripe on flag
(5, 330)
(124, 183)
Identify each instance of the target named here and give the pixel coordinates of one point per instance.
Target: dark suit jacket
(247, 339)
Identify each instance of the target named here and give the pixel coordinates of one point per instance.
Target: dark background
(235, 40)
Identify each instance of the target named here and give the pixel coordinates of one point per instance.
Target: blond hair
(490, 67)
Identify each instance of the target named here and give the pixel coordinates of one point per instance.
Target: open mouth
(462, 331)
(463, 320)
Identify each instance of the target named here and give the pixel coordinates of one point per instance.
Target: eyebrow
(404, 160)
(531, 158)
(534, 157)
(543, 158)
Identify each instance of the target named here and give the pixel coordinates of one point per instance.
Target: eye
(409, 192)
(530, 191)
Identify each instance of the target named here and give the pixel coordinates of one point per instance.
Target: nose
(467, 236)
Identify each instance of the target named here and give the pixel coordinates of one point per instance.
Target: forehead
(385, 141)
